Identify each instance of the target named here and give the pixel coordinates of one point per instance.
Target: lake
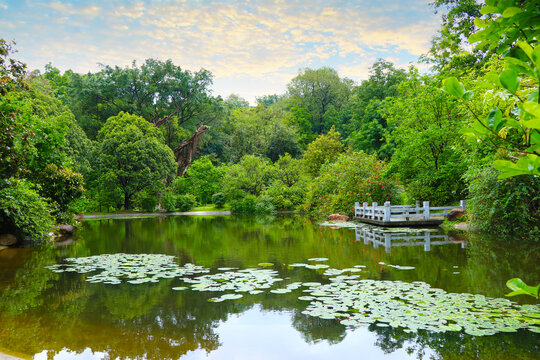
(48, 311)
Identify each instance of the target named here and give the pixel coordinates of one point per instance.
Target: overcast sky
(253, 47)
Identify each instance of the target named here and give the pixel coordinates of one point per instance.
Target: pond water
(49, 313)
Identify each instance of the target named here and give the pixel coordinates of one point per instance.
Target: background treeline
(152, 136)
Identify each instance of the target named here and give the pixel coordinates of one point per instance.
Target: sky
(252, 47)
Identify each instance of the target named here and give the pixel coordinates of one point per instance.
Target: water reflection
(395, 238)
(60, 316)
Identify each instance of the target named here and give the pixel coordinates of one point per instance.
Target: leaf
(480, 23)
(494, 119)
(509, 80)
(520, 288)
(453, 87)
(488, 10)
(511, 11)
(532, 108)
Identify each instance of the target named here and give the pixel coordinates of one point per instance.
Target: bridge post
(426, 210)
(462, 204)
(356, 208)
(364, 209)
(387, 242)
(427, 241)
(374, 207)
(387, 211)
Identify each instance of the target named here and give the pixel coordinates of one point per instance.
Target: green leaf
(532, 108)
(480, 23)
(488, 10)
(494, 119)
(526, 48)
(509, 80)
(520, 288)
(511, 11)
(479, 35)
(534, 123)
(452, 86)
(467, 96)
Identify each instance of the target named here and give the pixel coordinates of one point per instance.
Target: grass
(211, 207)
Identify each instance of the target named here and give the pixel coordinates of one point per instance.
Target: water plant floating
(133, 268)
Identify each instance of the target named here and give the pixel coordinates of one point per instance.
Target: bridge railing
(389, 212)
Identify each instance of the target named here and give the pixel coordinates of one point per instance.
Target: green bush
(23, 211)
(202, 179)
(250, 176)
(243, 206)
(168, 201)
(185, 202)
(62, 186)
(264, 206)
(148, 203)
(219, 199)
(354, 177)
(507, 207)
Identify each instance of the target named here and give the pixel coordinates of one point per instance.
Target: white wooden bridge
(403, 215)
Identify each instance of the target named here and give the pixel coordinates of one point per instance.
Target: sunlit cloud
(253, 41)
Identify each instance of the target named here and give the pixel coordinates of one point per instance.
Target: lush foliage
(23, 211)
(505, 207)
(202, 179)
(132, 157)
(354, 177)
(322, 150)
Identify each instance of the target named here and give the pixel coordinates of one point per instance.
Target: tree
(427, 157)
(512, 31)
(322, 150)
(249, 177)
(317, 91)
(14, 137)
(368, 126)
(132, 155)
(449, 47)
(202, 179)
(159, 91)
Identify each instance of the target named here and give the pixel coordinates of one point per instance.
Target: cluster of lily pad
(415, 306)
(134, 268)
(242, 281)
(347, 298)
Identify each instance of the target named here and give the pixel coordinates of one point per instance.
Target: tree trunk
(186, 150)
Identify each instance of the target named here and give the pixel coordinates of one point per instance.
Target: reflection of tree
(456, 345)
(316, 329)
(30, 282)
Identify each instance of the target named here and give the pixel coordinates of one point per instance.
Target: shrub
(168, 201)
(284, 197)
(250, 176)
(505, 207)
(245, 205)
(354, 177)
(264, 206)
(202, 179)
(219, 199)
(324, 149)
(24, 211)
(148, 203)
(185, 202)
(62, 186)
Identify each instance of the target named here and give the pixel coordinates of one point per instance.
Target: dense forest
(153, 136)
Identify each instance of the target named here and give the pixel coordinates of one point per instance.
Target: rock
(65, 229)
(337, 217)
(456, 213)
(461, 226)
(8, 239)
(2, 247)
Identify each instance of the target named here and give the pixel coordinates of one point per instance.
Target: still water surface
(45, 315)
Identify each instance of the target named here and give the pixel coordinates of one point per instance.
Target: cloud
(255, 39)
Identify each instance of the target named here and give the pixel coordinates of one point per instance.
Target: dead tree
(185, 151)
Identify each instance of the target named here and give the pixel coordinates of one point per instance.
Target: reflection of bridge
(379, 237)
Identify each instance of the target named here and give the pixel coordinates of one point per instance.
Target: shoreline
(4, 356)
(199, 213)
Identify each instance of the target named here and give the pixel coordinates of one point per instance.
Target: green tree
(132, 156)
(250, 176)
(428, 152)
(318, 91)
(353, 177)
(324, 149)
(202, 179)
(369, 124)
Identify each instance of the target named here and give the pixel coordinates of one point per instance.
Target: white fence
(389, 212)
(394, 239)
